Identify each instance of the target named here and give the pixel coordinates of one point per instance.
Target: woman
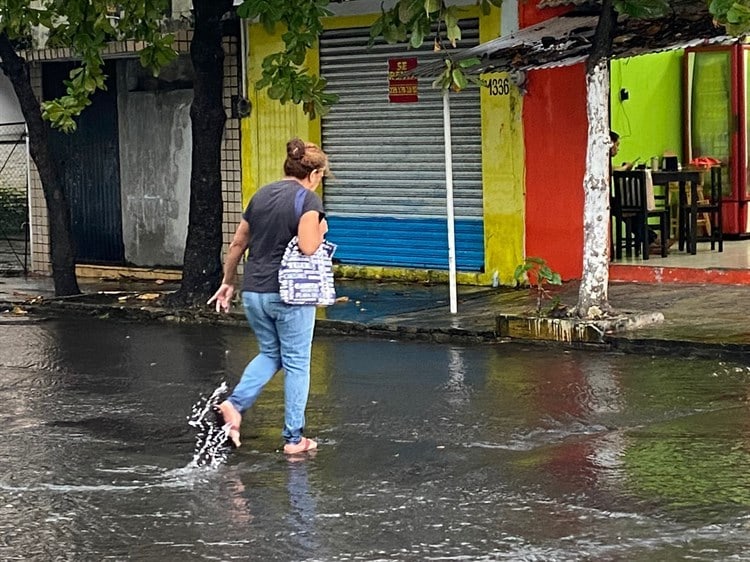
(284, 332)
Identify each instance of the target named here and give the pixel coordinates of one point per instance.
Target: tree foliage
(732, 14)
(283, 73)
(86, 26)
(418, 20)
(285, 76)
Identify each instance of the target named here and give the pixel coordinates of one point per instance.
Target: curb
(709, 350)
(392, 330)
(323, 326)
(395, 331)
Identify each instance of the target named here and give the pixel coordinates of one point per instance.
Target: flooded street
(427, 452)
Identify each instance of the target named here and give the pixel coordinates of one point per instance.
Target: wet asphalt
(428, 451)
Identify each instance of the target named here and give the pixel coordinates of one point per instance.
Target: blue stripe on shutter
(407, 242)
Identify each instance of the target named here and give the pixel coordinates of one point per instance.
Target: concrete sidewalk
(709, 320)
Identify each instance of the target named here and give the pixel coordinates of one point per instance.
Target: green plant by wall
(536, 272)
(13, 211)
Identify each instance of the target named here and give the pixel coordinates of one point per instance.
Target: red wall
(555, 137)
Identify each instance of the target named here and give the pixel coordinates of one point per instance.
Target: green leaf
(453, 33)
(451, 16)
(408, 9)
(469, 63)
(459, 79)
(417, 37)
(719, 8)
(643, 9)
(376, 30)
(444, 80)
(520, 272)
(276, 91)
(243, 10)
(391, 34)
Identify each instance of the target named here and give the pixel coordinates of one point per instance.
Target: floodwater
(427, 452)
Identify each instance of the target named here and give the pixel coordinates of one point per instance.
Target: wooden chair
(708, 211)
(631, 213)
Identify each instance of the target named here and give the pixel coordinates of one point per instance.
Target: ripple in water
(212, 441)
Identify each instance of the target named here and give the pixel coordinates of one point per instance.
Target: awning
(567, 39)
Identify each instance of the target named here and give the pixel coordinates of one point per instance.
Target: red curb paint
(647, 274)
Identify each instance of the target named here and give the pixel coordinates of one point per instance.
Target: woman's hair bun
(295, 149)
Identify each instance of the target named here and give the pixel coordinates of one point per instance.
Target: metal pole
(449, 201)
(28, 231)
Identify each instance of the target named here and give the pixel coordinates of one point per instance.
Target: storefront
(387, 203)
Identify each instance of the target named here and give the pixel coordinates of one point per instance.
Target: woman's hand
(223, 297)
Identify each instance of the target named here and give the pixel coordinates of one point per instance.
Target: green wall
(650, 121)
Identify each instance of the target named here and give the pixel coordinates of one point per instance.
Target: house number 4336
(499, 86)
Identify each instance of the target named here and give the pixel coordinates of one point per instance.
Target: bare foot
(304, 445)
(233, 418)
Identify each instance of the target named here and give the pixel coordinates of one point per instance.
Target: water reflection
(457, 391)
(302, 506)
(696, 465)
(427, 452)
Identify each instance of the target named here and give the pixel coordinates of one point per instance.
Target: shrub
(13, 210)
(536, 272)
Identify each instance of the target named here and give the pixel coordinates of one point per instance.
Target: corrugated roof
(567, 39)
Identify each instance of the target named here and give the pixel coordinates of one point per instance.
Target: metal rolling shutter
(386, 205)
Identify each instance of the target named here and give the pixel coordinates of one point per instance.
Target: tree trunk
(593, 299)
(592, 296)
(202, 270)
(62, 255)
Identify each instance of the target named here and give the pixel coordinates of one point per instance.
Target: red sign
(402, 86)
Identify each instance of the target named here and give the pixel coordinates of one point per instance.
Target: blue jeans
(284, 333)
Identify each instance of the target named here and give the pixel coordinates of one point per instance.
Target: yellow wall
(502, 174)
(271, 125)
(503, 181)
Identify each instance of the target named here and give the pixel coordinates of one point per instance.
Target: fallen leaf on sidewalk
(148, 296)
(18, 310)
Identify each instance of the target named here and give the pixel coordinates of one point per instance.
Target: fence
(14, 211)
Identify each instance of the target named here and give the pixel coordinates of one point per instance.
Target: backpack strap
(299, 201)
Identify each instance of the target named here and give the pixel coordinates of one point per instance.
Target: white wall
(10, 111)
(155, 149)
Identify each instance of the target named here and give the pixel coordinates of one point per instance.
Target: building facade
(126, 169)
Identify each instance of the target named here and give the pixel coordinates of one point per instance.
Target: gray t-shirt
(273, 222)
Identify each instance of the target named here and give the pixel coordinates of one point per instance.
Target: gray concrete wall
(155, 149)
(10, 109)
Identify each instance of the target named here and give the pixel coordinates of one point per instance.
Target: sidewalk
(708, 320)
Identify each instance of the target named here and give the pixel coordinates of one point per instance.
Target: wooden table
(685, 178)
